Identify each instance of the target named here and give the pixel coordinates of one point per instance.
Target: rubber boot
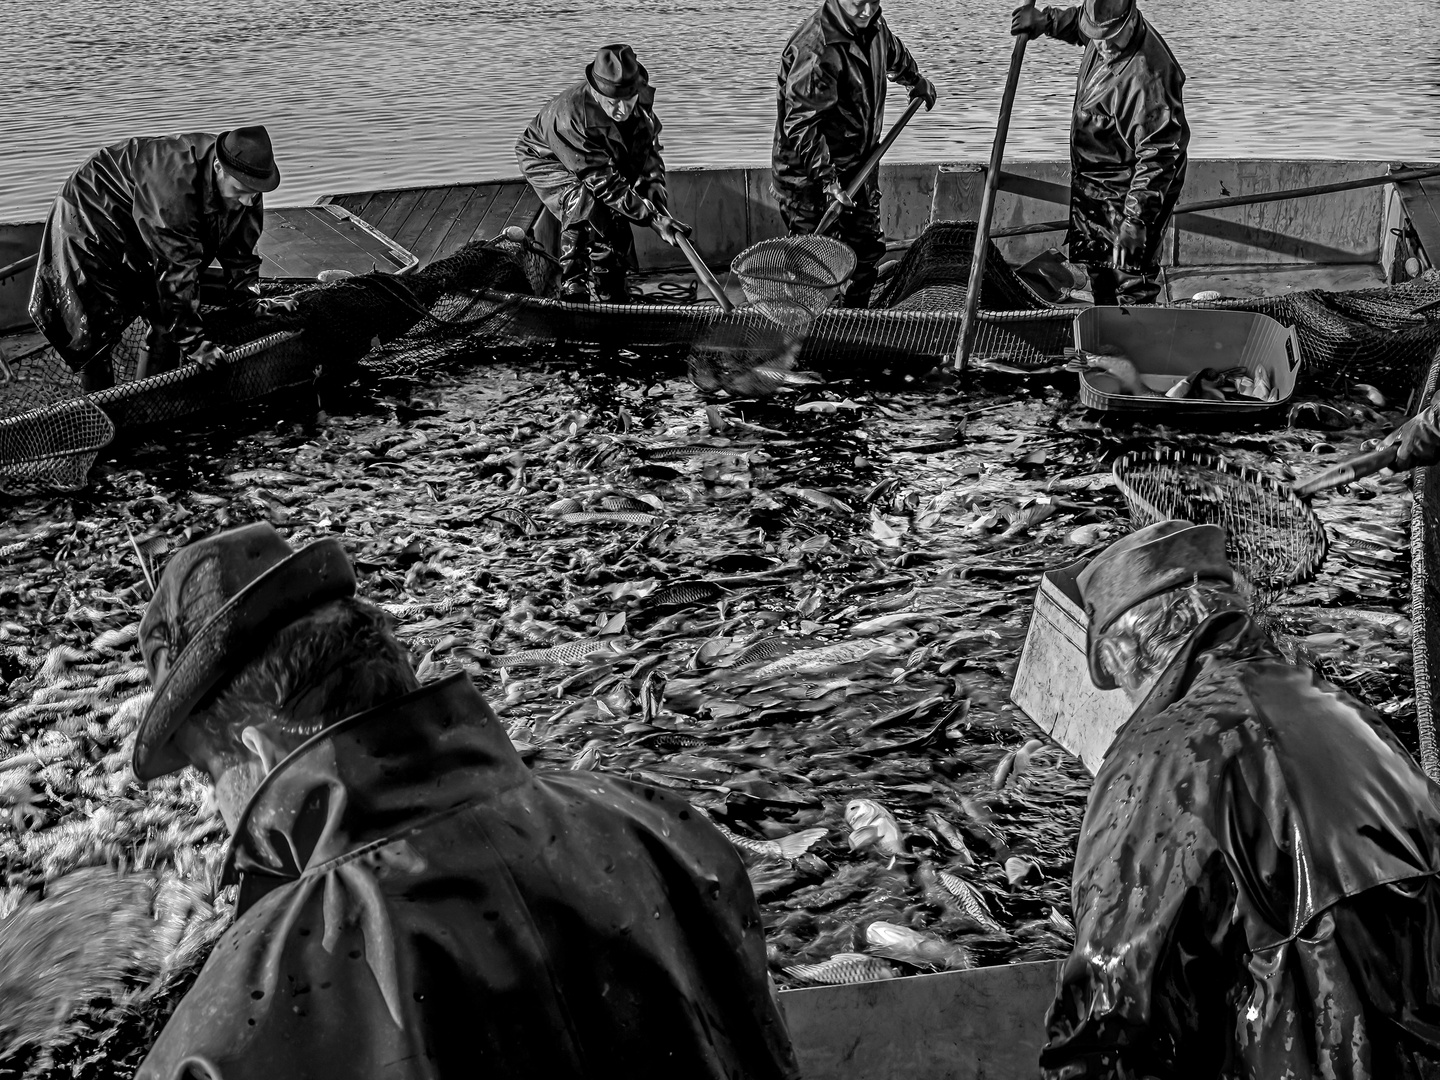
(577, 275)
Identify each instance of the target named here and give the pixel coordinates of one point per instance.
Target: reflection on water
(363, 96)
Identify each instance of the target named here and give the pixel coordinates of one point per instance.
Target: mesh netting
(1425, 589)
(791, 279)
(1375, 336)
(1271, 536)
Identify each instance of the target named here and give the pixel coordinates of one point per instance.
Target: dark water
(362, 96)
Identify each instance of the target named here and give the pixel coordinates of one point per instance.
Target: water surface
(361, 96)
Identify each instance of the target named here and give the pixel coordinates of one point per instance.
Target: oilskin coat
(415, 902)
(1255, 889)
(574, 155)
(129, 235)
(1128, 139)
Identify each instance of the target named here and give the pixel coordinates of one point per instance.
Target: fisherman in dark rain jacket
(133, 232)
(413, 901)
(1255, 890)
(593, 157)
(1128, 143)
(829, 108)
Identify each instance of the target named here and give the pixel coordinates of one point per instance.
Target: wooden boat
(986, 1022)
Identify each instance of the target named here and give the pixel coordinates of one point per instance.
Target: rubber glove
(670, 230)
(924, 89)
(274, 305)
(1030, 21)
(1417, 440)
(836, 193)
(1129, 250)
(207, 354)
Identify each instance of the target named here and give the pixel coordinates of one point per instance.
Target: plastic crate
(1168, 344)
(1052, 681)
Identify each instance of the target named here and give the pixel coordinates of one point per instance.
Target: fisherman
(1128, 141)
(132, 234)
(593, 157)
(1255, 887)
(413, 901)
(829, 103)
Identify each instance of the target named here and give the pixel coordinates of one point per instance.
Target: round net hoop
(791, 279)
(1272, 536)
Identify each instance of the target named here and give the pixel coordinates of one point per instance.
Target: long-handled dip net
(788, 281)
(1272, 536)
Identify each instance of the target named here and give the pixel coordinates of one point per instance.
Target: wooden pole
(987, 202)
(867, 166)
(703, 273)
(1398, 177)
(18, 266)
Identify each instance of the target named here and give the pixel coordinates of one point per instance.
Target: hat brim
(617, 91)
(1111, 28)
(240, 175)
(314, 575)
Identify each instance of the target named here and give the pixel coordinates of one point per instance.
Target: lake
(361, 96)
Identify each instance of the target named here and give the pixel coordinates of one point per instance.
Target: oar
(1399, 177)
(987, 202)
(868, 166)
(1348, 471)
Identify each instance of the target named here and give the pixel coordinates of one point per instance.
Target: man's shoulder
(816, 32)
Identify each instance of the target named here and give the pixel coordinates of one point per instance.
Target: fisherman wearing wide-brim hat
(1257, 881)
(414, 901)
(132, 234)
(1129, 143)
(592, 154)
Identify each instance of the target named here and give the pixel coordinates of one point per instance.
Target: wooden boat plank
(397, 212)
(463, 227)
(526, 209)
(1421, 199)
(1258, 279)
(378, 206)
(982, 1024)
(420, 214)
(906, 206)
(497, 216)
(427, 243)
(301, 241)
(713, 202)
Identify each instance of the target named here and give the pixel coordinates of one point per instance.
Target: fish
(626, 504)
(1117, 365)
(690, 450)
(870, 823)
(590, 517)
(952, 836)
(786, 847)
(567, 505)
(816, 497)
(686, 593)
(768, 650)
(1013, 765)
(823, 658)
(572, 652)
(670, 741)
(518, 520)
(1017, 869)
(842, 969)
(971, 902)
(915, 948)
(1086, 535)
(1060, 923)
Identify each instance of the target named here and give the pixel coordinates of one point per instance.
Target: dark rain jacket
(1241, 816)
(1128, 138)
(129, 235)
(830, 100)
(415, 902)
(575, 157)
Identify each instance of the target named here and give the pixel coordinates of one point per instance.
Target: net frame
(1272, 536)
(791, 279)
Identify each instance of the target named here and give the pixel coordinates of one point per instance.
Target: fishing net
(791, 279)
(1379, 336)
(490, 295)
(1271, 535)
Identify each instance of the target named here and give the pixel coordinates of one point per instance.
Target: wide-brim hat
(218, 602)
(1101, 20)
(246, 154)
(1150, 561)
(615, 72)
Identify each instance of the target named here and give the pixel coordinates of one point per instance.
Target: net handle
(1348, 471)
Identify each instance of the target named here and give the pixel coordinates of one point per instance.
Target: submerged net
(489, 296)
(1271, 535)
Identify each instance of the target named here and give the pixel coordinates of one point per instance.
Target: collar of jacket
(838, 30)
(1219, 639)
(373, 777)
